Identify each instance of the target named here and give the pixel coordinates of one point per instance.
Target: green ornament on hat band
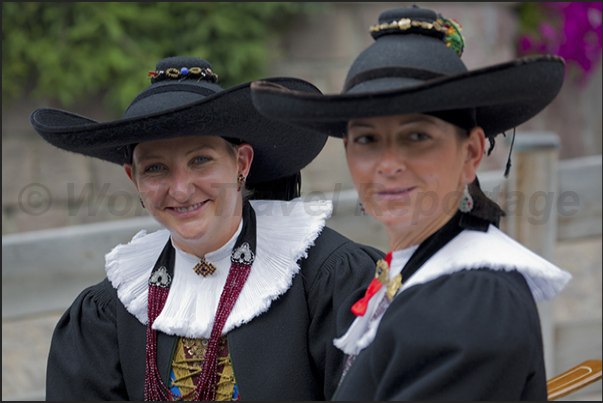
(453, 37)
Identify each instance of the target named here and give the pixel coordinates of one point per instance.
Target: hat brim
(504, 95)
(228, 113)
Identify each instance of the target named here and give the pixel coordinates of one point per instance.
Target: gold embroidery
(187, 364)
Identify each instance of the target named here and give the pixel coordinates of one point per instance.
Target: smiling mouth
(396, 192)
(189, 208)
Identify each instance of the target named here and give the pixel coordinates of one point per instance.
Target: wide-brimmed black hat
(184, 100)
(414, 66)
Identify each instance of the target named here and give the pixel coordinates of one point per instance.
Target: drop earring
(240, 181)
(361, 208)
(142, 203)
(466, 202)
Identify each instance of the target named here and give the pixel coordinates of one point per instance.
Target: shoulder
(92, 316)
(99, 300)
(495, 250)
(84, 357)
(333, 252)
(480, 307)
(469, 335)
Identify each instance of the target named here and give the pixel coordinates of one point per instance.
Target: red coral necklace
(160, 280)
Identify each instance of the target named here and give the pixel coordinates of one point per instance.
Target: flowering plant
(570, 30)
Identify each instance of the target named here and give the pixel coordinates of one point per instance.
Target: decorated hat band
(448, 30)
(202, 73)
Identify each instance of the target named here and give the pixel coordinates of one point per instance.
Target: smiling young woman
(220, 291)
(450, 313)
(188, 185)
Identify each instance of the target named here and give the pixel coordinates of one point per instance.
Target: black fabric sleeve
(472, 335)
(83, 363)
(349, 267)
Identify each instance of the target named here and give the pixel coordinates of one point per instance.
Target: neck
(415, 234)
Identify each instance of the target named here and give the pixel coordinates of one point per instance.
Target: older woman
(223, 303)
(451, 312)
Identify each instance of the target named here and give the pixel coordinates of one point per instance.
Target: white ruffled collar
(285, 232)
(492, 249)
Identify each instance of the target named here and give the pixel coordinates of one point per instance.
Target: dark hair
(286, 188)
(485, 210)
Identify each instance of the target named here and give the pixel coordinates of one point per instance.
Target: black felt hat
(184, 100)
(414, 66)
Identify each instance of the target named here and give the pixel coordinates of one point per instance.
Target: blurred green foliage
(67, 51)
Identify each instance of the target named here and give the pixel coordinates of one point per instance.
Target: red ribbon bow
(359, 308)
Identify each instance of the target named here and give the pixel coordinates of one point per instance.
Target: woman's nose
(180, 187)
(391, 161)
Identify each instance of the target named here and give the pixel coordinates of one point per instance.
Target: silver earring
(466, 202)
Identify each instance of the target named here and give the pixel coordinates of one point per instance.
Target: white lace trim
(285, 232)
(470, 250)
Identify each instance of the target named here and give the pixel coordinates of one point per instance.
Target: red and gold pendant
(204, 268)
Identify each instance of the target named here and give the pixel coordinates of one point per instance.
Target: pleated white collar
(285, 232)
(470, 250)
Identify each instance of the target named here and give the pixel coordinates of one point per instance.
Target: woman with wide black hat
(223, 303)
(450, 313)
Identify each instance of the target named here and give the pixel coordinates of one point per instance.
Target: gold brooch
(204, 268)
(393, 286)
(382, 275)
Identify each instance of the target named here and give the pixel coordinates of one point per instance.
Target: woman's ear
(474, 148)
(244, 158)
(129, 171)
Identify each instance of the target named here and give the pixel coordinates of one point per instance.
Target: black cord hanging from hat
(508, 167)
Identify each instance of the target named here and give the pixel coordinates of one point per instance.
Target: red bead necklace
(242, 258)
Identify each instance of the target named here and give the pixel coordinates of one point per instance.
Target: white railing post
(532, 211)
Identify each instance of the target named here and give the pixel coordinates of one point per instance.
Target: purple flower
(525, 44)
(547, 31)
(571, 30)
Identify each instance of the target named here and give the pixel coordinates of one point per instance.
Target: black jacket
(286, 353)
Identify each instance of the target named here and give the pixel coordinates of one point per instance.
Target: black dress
(466, 330)
(285, 353)
(472, 335)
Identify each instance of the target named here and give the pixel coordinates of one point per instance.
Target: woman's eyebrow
(360, 124)
(145, 157)
(201, 147)
(191, 151)
(418, 119)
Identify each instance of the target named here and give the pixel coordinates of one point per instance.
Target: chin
(188, 234)
(393, 218)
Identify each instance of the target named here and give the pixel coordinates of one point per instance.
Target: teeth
(185, 209)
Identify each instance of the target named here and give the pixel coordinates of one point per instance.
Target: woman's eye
(418, 136)
(200, 160)
(153, 168)
(365, 139)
